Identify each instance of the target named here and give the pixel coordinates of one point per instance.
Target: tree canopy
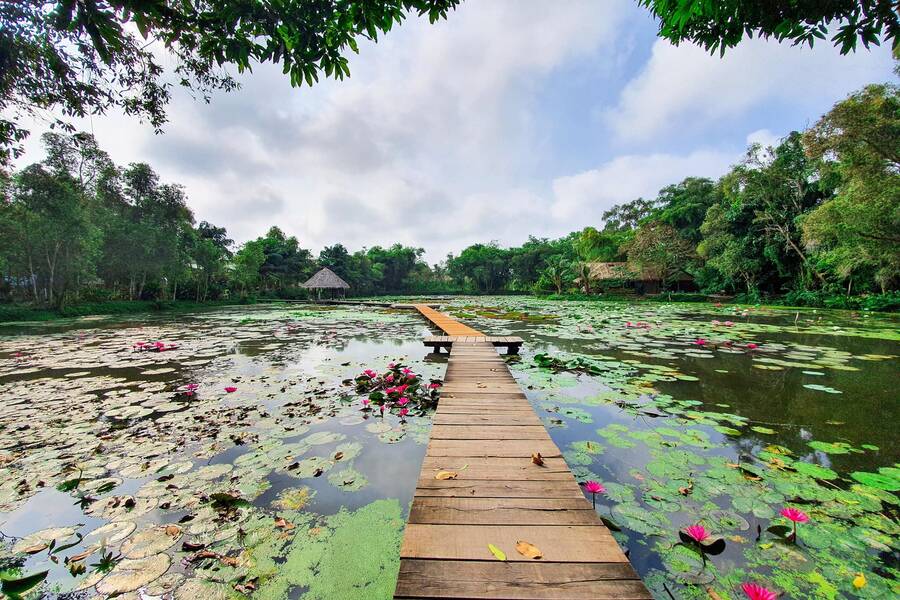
(722, 24)
(84, 57)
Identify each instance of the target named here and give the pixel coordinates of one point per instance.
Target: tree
(629, 214)
(723, 24)
(684, 205)
(558, 272)
(659, 248)
(857, 232)
(247, 263)
(84, 57)
(484, 267)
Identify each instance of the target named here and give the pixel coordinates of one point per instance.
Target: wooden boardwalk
(484, 434)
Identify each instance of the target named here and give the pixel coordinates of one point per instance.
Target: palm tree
(585, 274)
(558, 271)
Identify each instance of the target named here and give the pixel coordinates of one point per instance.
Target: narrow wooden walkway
(485, 432)
(447, 324)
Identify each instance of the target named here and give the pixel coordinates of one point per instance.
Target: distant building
(326, 279)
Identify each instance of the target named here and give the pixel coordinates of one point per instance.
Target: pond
(129, 469)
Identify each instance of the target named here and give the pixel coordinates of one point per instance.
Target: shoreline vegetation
(14, 313)
(811, 221)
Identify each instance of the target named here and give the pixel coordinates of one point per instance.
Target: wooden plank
(502, 511)
(559, 543)
(497, 432)
(513, 449)
(536, 580)
(487, 488)
(486, 419)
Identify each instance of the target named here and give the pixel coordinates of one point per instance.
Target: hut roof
(601, 271)
(325, 279)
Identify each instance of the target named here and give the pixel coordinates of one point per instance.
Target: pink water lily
(729, 323)
(699, 342)
(433, 386)
(406, 371)
(794, 515)
(370, 373)
(389, 378)
(716, 322)
(402, 388)
(366, 402)
(230, 389)
(754, 591)
(628, 324)
(403, 401)
(404, 411)
(698, 533)
(391, 365)
(594, 487)
(752, 346)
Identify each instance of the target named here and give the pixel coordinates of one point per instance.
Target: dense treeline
(817, 217)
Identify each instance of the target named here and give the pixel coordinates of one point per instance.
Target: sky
(512, 118)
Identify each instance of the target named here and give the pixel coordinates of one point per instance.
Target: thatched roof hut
(326, 279)
(645, 281)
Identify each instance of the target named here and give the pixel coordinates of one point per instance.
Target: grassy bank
(24, 312)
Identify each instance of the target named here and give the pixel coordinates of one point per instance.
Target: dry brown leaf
(281, 523)
(173, 530)
(82, 555)
(229, 560)
(537, 459)
(338, 455)
(35, 549)
(442, 475)
(528, 550)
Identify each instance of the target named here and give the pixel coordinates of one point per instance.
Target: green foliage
(723, 24)
(85, 58)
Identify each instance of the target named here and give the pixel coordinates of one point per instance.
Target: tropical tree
(558, 272)
(857, 232)
(659, 248)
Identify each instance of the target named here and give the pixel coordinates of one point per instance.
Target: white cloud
(684, 87)
(586, 195)
(764, 138)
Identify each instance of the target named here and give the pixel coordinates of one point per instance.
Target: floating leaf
(14, 587)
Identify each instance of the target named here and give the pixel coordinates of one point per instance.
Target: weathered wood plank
(480, 432)
(486, 488)
(502, 511)
(533, 580)
(559, 543)
(514, 449)
(475, 417)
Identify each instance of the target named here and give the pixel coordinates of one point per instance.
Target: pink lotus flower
(230, 389)
(390, 390)
(401, 388)
(752, 346)
(403, 401)
(754, 591)
(628, 324)
(366, 402)
(404, 411)
(406, 371)
(699, 342)
(391, 365)
(594, 487)
(389, 378)
(794, 514)
(716, 322)
(698, 533)
(382, 409)
(729, 323)
(434, 386)
(159, 345)
(370, 373)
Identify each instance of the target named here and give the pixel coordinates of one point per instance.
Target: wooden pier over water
(480, 486)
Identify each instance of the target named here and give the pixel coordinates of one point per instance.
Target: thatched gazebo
(326, 279)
